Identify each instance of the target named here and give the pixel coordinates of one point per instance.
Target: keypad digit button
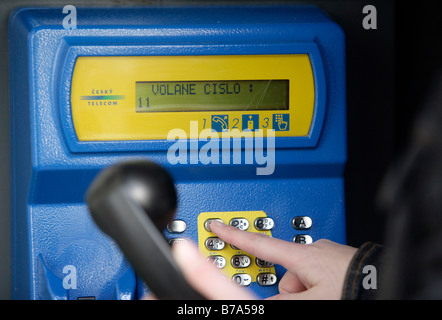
(217, 261)
(242, 279)
(240, 261)
(264, 224)
(302, 223)
(208, 222)
(214, 243)
(266, 279)
(240, 223)
(263, 264)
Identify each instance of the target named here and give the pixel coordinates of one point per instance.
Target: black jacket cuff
(361, 278)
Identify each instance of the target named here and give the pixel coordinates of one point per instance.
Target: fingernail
(209, 222)
(218, 223)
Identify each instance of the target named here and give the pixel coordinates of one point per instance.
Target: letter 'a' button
(302, 223)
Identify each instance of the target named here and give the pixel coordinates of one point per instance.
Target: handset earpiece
(133, 202)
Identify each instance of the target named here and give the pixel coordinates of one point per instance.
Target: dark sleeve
(369, 254)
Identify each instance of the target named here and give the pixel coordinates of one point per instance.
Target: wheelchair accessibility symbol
(281, 122)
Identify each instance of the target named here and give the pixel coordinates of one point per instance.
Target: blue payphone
(244, 106)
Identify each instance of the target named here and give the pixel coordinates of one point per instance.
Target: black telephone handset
(133, 202)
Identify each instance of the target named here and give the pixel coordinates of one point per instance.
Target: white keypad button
(264, 223)
(177, 226)
(263, 264)
(302, 223)
(176, 240)
(242, 279)
(266, 279)
(217, 261)
(240, 261)
(303, 239)
(214, 243)
(240, 223)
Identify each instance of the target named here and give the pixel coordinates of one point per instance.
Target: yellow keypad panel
(241, 267)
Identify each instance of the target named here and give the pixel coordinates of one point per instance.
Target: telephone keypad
(241, 267)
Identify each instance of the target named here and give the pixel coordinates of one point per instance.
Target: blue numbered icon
(220, 123)
(250, 122)
(281, 122)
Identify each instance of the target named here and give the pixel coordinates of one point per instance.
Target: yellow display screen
(175, 96)
(119, 98)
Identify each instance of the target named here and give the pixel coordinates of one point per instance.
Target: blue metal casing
(53, 235)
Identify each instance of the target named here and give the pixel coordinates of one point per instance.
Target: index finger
(264, 247)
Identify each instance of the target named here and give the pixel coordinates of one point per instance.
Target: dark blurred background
(389, 72)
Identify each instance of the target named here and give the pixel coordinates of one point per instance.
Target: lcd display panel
(232, 95)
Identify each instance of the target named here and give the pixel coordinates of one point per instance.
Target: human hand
(314, 271)
(204, 277)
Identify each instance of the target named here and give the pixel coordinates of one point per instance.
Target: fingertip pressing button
(208, 222)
